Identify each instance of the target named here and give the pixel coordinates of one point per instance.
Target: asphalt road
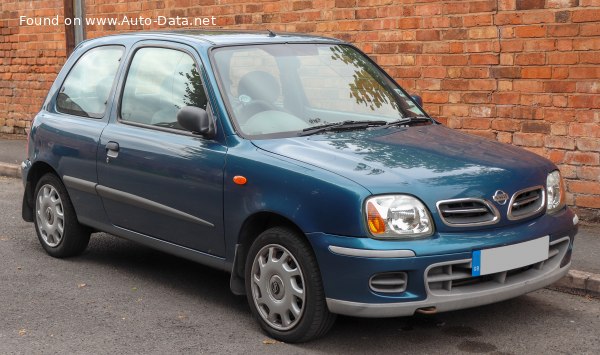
(119, 297)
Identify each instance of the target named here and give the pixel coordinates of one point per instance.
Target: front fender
(314, 199)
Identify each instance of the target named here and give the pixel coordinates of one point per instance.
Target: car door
(155, 178)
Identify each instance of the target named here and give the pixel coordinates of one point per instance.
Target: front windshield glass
(283, 89)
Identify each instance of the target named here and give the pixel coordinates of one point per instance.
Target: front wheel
(55, 220)
(284, 287)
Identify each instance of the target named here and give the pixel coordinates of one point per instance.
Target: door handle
(112, 150)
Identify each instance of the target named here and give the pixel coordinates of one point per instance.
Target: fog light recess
(389, 282)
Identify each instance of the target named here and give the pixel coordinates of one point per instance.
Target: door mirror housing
(196, 120)
(418, 100)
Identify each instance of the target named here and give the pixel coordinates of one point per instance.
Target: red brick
(530, 4)
(530, 31)
(505, 72)
(559, 86)
(585, 101)
(456, 8)
(586, 15)
(560, 142)
(528, 139)
(345, 3)
(590, 29)
(535, 127)
(562, 58)
(476, 98)
(477, 20)
(484, 59)
(588, 201)
(589, 58)
(439, 97)
(483, 32)
(533, 17)
(563, 30)
(506, 125)
(585, 187)
(428, 9)
(588, 144)
(527, 86)
(584, 130)
(592, 87)
(558, 4)
(455, 110)
(455, 60)
(483, 85)
(536, 73)
(556, 156)
(476, 123)
(588, 173)
(586, 44)
(582, 158)
(509, 98)
(530, 59)
(428, 35)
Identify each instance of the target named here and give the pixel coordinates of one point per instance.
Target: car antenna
(271, 33)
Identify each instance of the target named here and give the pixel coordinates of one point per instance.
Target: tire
(284, 287)
(55, 220)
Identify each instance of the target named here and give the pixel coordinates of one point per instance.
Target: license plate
(490, 261)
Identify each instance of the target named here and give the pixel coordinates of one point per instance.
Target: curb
(10, 170)
(579, 282)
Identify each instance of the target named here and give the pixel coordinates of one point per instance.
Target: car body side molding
(130, 199)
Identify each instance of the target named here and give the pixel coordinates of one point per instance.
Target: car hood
(431, 162)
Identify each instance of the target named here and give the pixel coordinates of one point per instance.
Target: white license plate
(489, 261)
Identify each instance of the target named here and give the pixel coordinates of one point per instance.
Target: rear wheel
(284, 287)
(55, 220)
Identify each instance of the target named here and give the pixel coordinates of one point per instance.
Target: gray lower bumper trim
(369, 253)
(447, 303)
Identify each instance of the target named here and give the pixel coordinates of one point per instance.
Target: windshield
(285, 89)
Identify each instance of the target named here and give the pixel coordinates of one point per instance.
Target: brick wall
(525, 72)
(30, 57)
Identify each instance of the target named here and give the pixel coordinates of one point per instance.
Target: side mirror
(196, 120)
(418, 100)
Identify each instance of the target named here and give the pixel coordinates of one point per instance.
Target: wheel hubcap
(278, 287)
(50, 215)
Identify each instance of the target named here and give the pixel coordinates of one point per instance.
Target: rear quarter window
(87, 86)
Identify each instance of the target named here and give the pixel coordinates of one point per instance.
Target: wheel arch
(252, 227)
(35, 173)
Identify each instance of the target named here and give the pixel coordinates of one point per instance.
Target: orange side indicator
(376, 222)
(240, 180)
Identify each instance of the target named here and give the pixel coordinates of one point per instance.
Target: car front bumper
(347, 273)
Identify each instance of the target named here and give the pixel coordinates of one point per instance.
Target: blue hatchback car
(299, 166)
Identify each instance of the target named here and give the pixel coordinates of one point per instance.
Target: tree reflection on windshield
(365, 89)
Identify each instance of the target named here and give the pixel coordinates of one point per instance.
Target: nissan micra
(299, 166)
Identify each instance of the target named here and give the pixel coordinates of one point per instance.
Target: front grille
(526, 203)
(467, 212)
(389, 282)
(454, 277)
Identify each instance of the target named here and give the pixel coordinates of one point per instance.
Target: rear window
(87, 86)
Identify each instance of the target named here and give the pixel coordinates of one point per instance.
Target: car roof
(227, 37)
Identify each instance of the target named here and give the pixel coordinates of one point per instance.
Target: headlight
(393, 216)
(555, 190)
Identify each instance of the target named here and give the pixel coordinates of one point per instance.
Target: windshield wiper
(340, 126)
(407, 120)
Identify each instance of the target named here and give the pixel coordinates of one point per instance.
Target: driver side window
(161, 81)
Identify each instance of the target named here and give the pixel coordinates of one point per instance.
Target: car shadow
(153, 266)
(467, 328)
